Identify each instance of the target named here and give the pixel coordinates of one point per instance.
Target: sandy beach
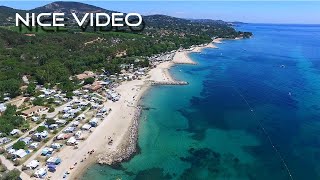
(121, 124)
(209, 45)
(218, 40)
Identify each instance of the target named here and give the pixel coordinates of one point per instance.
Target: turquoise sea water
(211, 128)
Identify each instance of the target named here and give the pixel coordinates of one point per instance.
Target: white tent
(78, 134)
(35, 118)
(20, 153)
(60, 121)
(75, 123)
(65, 116)
(81, 116)
(60, 136)
(3, 107)
(14, 131)
(94, 120)
(56, 145)
(54, 160)
(72, 141)
(33, 164)
(34, 145)
(40, 173)
(69, 130)
(11, 151)
(86, 127)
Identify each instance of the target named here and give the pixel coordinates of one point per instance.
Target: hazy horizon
(271, 12)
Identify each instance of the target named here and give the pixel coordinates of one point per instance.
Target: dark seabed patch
(153, 173)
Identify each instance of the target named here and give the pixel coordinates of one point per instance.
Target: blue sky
(289, 12)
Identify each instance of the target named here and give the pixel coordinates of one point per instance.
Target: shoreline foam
(126, 145)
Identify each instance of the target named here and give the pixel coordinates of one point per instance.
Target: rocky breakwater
(189, 63)
(154, 83)
(127, 148)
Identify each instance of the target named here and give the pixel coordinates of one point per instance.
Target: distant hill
(160, 20)
(7, 15)
(70, 7)
(209, 21)
(155, 24)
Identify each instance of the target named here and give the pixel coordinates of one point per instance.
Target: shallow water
(210, 129)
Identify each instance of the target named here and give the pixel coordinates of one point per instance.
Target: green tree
(89, 80)
(31, 88)
(52, 72)
(51, 109)
(9, 120)
(19, 145)
(67, 86)
(11, 175)
(50, 121)
(11, 110)
(50, 100)
(11, 86)
(38, 102)
(41, 128)
(69, 95)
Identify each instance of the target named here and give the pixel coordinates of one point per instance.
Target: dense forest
(53, 57)
(9, 120)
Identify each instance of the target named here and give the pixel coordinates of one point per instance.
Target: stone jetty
(154, 83)
(189, 63)
(127, 148)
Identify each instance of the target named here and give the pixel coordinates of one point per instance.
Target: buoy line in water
(262, 127)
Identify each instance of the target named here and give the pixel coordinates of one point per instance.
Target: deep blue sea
(244, 98)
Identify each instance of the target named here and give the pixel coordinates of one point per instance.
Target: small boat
(289, 93)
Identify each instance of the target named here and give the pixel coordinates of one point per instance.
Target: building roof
(85, 75)
(34, 109)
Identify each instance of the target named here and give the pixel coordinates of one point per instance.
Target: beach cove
(121, 125)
